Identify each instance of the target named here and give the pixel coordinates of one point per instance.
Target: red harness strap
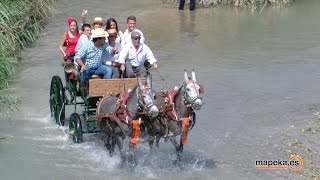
(171, 111)
(185, 122)
(121, 103)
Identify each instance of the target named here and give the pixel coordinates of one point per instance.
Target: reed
(21, 23)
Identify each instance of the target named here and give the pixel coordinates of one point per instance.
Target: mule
(176, 116)
(120, 115)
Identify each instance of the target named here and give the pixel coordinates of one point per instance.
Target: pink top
(71, 43)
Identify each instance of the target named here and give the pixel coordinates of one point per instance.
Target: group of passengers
(108, 52)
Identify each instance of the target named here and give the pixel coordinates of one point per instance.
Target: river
(260, 73)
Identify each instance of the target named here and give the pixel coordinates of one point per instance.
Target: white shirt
(136, 58)
(119, 36)
(83, 40)
(126, 37)
(113, 57)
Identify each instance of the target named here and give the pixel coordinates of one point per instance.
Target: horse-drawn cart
(84, 100)
(111, 108)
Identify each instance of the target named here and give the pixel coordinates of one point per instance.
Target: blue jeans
(102, 71)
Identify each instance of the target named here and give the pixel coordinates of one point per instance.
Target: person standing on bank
(134, 55)
(192, 5)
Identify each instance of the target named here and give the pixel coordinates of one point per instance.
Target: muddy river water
(260, 73)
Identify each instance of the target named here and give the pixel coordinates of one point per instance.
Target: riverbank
(22, 22)
(250, 4)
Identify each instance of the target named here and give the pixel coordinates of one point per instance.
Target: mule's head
(193, 91)
(146, 99)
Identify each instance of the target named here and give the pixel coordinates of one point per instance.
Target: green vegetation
(21, 23)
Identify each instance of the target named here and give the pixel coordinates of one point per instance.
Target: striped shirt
(91, 56)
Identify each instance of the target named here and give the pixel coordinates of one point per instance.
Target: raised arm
(84, 13)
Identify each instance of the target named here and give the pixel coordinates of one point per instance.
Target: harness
(121, 114)
(168, 110)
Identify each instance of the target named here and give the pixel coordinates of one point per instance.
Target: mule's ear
(140, 83)
(201, 90)
(186, 75)
(193, 75)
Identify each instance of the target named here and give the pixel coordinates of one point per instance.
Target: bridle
(146, 90)
(190, 100)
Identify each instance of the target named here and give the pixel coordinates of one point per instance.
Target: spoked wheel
(57, 106)
(75, 128)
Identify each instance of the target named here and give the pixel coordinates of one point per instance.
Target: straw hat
(99, 32)
(98, 20)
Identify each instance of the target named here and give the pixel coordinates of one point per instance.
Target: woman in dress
(69, 40)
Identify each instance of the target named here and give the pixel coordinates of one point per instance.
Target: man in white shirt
(134, 55)
(131, 26)
(85, 36)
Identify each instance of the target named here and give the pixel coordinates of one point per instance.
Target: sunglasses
(114, 35)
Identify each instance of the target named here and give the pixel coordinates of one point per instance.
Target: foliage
(21, 23)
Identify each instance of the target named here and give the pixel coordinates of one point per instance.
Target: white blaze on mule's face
(148, 100)
(193, 91)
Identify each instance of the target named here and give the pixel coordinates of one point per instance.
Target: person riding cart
(134, 56)
(89, 57)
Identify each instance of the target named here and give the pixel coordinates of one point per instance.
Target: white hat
(99, 32)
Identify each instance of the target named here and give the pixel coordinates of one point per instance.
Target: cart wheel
(57, 106)
(75, 128)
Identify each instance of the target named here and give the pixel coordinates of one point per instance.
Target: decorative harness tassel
(185, 122)
(135, 132)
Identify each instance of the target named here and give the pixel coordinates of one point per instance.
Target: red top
(71, 43)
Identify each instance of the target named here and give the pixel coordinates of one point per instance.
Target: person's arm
(62, 41)
(122, 58)
(150, 57)
(84, 13)
(79, 56)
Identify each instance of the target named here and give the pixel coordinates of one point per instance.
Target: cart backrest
(101, 87)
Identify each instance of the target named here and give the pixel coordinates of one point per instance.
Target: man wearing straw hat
(89, 57)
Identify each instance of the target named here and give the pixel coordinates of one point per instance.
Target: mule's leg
(131, 157)
(112, 143)
(178, 147)
(119, 142)
(158, 137)
(107, 143)
(151, 142)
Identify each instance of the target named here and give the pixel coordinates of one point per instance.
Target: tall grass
(21, 23)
